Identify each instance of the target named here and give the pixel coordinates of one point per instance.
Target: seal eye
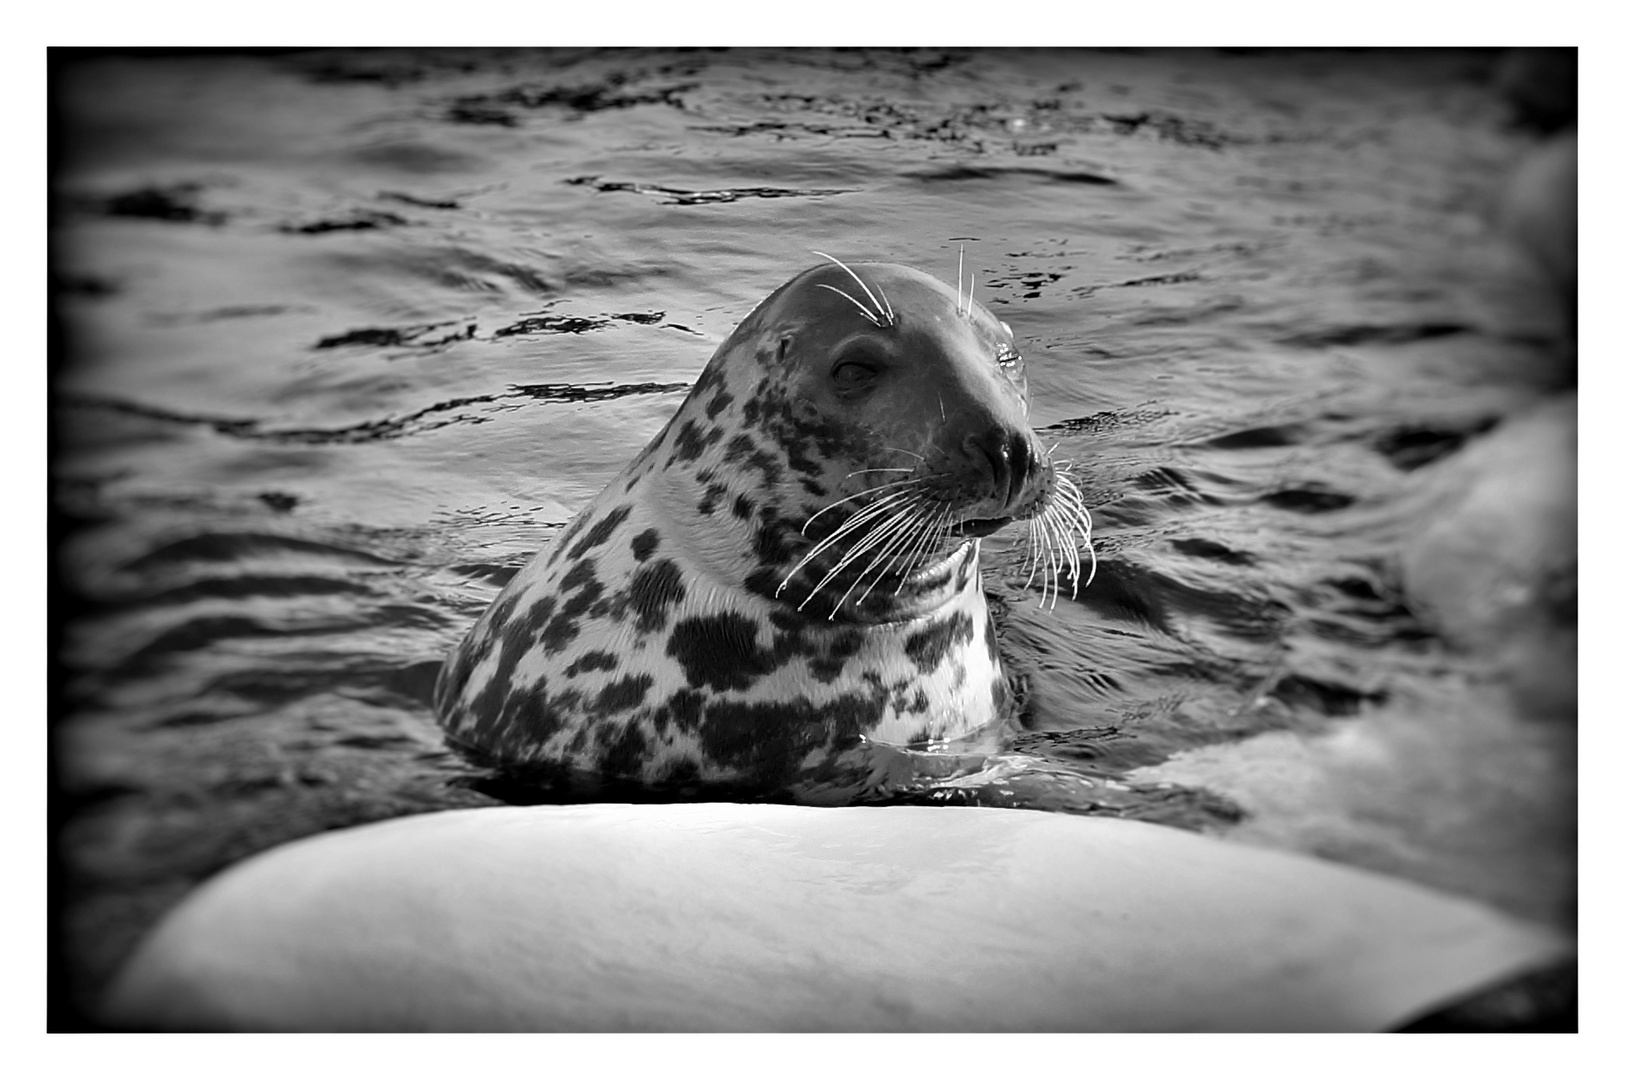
(853, 374)
(856, 368)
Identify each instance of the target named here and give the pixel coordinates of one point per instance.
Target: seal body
(791, 566)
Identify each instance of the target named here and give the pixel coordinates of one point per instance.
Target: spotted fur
(667, 635)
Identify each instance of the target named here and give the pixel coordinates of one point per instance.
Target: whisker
(913, 540)
(928, 537)
(959, 287)
(1032, 553)
(860, 281)
(891, 316)
(874, 537)
(867, 314)
(859, 520)
(859, 495)
(898, 527)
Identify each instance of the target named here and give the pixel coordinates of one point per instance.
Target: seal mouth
(980, 527)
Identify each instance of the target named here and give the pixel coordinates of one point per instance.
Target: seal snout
(1007, 459)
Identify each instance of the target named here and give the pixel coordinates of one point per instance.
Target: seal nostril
(1021, 465)
(1007, 461)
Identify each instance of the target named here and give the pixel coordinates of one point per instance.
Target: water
(352, 334)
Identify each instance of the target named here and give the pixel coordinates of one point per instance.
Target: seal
(792, 565)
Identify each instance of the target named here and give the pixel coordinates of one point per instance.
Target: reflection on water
(352, 334)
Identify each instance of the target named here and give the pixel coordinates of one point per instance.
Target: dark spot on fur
(990, 639)
(580, 574)
(571, 531)
(624, 756)
(565, 625)
(787, 619)
(690, 443)
(644, 544)
(742, 507)
(601, 531)
(500, 717)
(928, 647)
(686, 771)
(718, 403)
(685, 707)
(739, 447)
(769, 740)
(813, 487)
(713, 494)
(768, 466)
(594, 660)
(623, 694)
(654, 589)
(720, 651)
(826, 667)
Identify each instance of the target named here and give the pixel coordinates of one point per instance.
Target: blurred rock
(1496, 570)
(1539, 211)
(1542, 86)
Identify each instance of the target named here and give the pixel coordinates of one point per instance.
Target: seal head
(791, 565)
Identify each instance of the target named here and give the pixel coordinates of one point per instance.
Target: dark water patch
(1375, 335)
(238, 587)
(1127, 592)
(175, 202)
(1308, 499)
(358, 221)
(1199, 548)
(685, 197)
(781, 129)
(493, 573)
(1110, 420)
(1168, 480)
(206, 630)
(415, 681)
(418, 200)
(551, 324)
(418, 158)
(1411, 447)
(569, 392)
(1327, 698)
(642, 318)
(1171, 128)
(414, 423)
(442, 266)
(386, 67)
(1083, 744)
(1257, 438)
(235, 546)
(396, 336)
(613, 92)
(962, 173)
(1160, 279)
(231, 311)
(89, 286)
(1032, 281)
(280, 501)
